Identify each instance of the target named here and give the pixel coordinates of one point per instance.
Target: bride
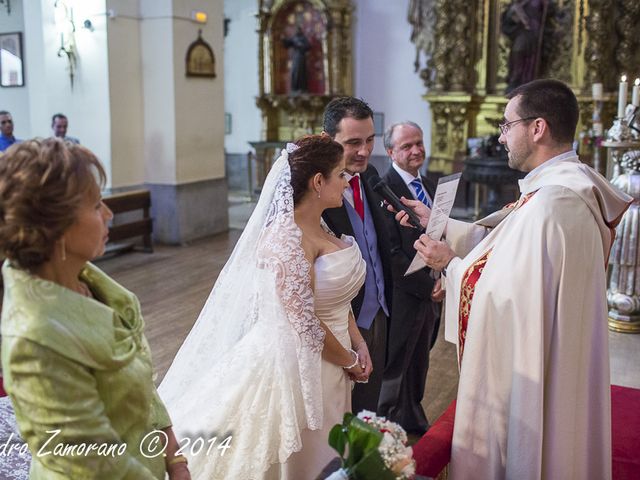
(269, 361)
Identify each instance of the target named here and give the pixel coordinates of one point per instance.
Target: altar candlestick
(597, 91)
(598, 131)
(635, 95)
(622, 96)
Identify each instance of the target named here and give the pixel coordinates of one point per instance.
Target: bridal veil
(250, 367)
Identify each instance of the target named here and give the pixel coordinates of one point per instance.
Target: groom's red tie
(357, 198)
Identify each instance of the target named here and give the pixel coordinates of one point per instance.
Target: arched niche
(326, 24)
(313, 24)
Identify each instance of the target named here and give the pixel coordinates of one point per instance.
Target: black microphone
(381, 188)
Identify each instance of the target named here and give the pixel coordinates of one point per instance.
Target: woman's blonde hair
(42, 184)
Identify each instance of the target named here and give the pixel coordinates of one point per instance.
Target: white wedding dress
(251, 368)
(338, 278)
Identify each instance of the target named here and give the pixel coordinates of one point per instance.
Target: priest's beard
(518, 153)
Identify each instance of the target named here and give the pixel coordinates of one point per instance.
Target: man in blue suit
(349, 121)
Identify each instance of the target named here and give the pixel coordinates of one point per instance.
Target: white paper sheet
(442, 204)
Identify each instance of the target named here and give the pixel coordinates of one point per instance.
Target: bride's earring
(63, 247)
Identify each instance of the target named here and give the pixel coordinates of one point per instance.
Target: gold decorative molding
(626, 52)
(585, 41)
(624, 327)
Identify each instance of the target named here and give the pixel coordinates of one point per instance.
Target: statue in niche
(523, 22)
(422, 18)
(300, 46)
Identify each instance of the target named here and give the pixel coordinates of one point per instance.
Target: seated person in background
(59, 125)
(75, 360)
(6, 131)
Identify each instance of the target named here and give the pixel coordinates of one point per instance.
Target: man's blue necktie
(417, 186)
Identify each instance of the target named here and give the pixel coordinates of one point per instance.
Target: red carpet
(433, 451)
(625, 429)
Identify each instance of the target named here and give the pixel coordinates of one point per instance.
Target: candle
(635, 96)
(598, 131)
(597, 91)
(622, 96)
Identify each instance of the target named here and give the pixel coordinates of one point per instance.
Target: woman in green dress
(75, 360)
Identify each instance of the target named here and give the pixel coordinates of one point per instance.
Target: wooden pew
(126, 229)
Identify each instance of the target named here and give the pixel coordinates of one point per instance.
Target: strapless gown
(250, 392)
(338, 278)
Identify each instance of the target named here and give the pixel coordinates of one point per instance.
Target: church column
(183, 121)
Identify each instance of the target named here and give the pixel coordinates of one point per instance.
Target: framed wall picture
(200, 60)
(11, 61)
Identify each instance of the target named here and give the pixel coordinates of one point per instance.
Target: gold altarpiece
(591, 41)
(326, 25)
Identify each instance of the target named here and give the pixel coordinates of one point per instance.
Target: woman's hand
(418, 207)
(362, 371)
(179, 471)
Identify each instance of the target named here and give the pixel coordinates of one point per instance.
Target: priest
(526, 306)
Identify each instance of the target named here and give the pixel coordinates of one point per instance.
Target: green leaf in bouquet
(362, 438)
(371, 467)
(346, 420)
(338, 439)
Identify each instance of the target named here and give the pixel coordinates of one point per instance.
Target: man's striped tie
(417, 186)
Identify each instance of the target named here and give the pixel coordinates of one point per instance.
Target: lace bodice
(338, 278)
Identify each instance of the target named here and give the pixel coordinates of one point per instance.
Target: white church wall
(384, 56)
(16, 99)
(86, 104)
(241, 75)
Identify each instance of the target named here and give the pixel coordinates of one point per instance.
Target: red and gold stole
(469, 281)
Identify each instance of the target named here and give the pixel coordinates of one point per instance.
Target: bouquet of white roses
(376, 449)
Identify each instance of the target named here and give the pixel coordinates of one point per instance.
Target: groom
(349, 121)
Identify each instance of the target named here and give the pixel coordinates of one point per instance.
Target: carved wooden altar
(587, 41)
(326, 24)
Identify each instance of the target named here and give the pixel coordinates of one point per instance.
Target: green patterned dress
(79, 373)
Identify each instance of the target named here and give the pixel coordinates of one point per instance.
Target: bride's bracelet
(357, 359)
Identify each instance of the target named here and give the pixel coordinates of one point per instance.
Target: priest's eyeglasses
(504, 127)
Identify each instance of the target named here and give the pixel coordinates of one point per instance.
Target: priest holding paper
(526, 306)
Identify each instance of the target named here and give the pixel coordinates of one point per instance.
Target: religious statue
(300, 45)
(422, 18)
(524, 23)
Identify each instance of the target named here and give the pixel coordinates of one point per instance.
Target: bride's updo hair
(315, 154)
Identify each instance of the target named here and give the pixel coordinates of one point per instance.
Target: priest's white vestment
(534, 393)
